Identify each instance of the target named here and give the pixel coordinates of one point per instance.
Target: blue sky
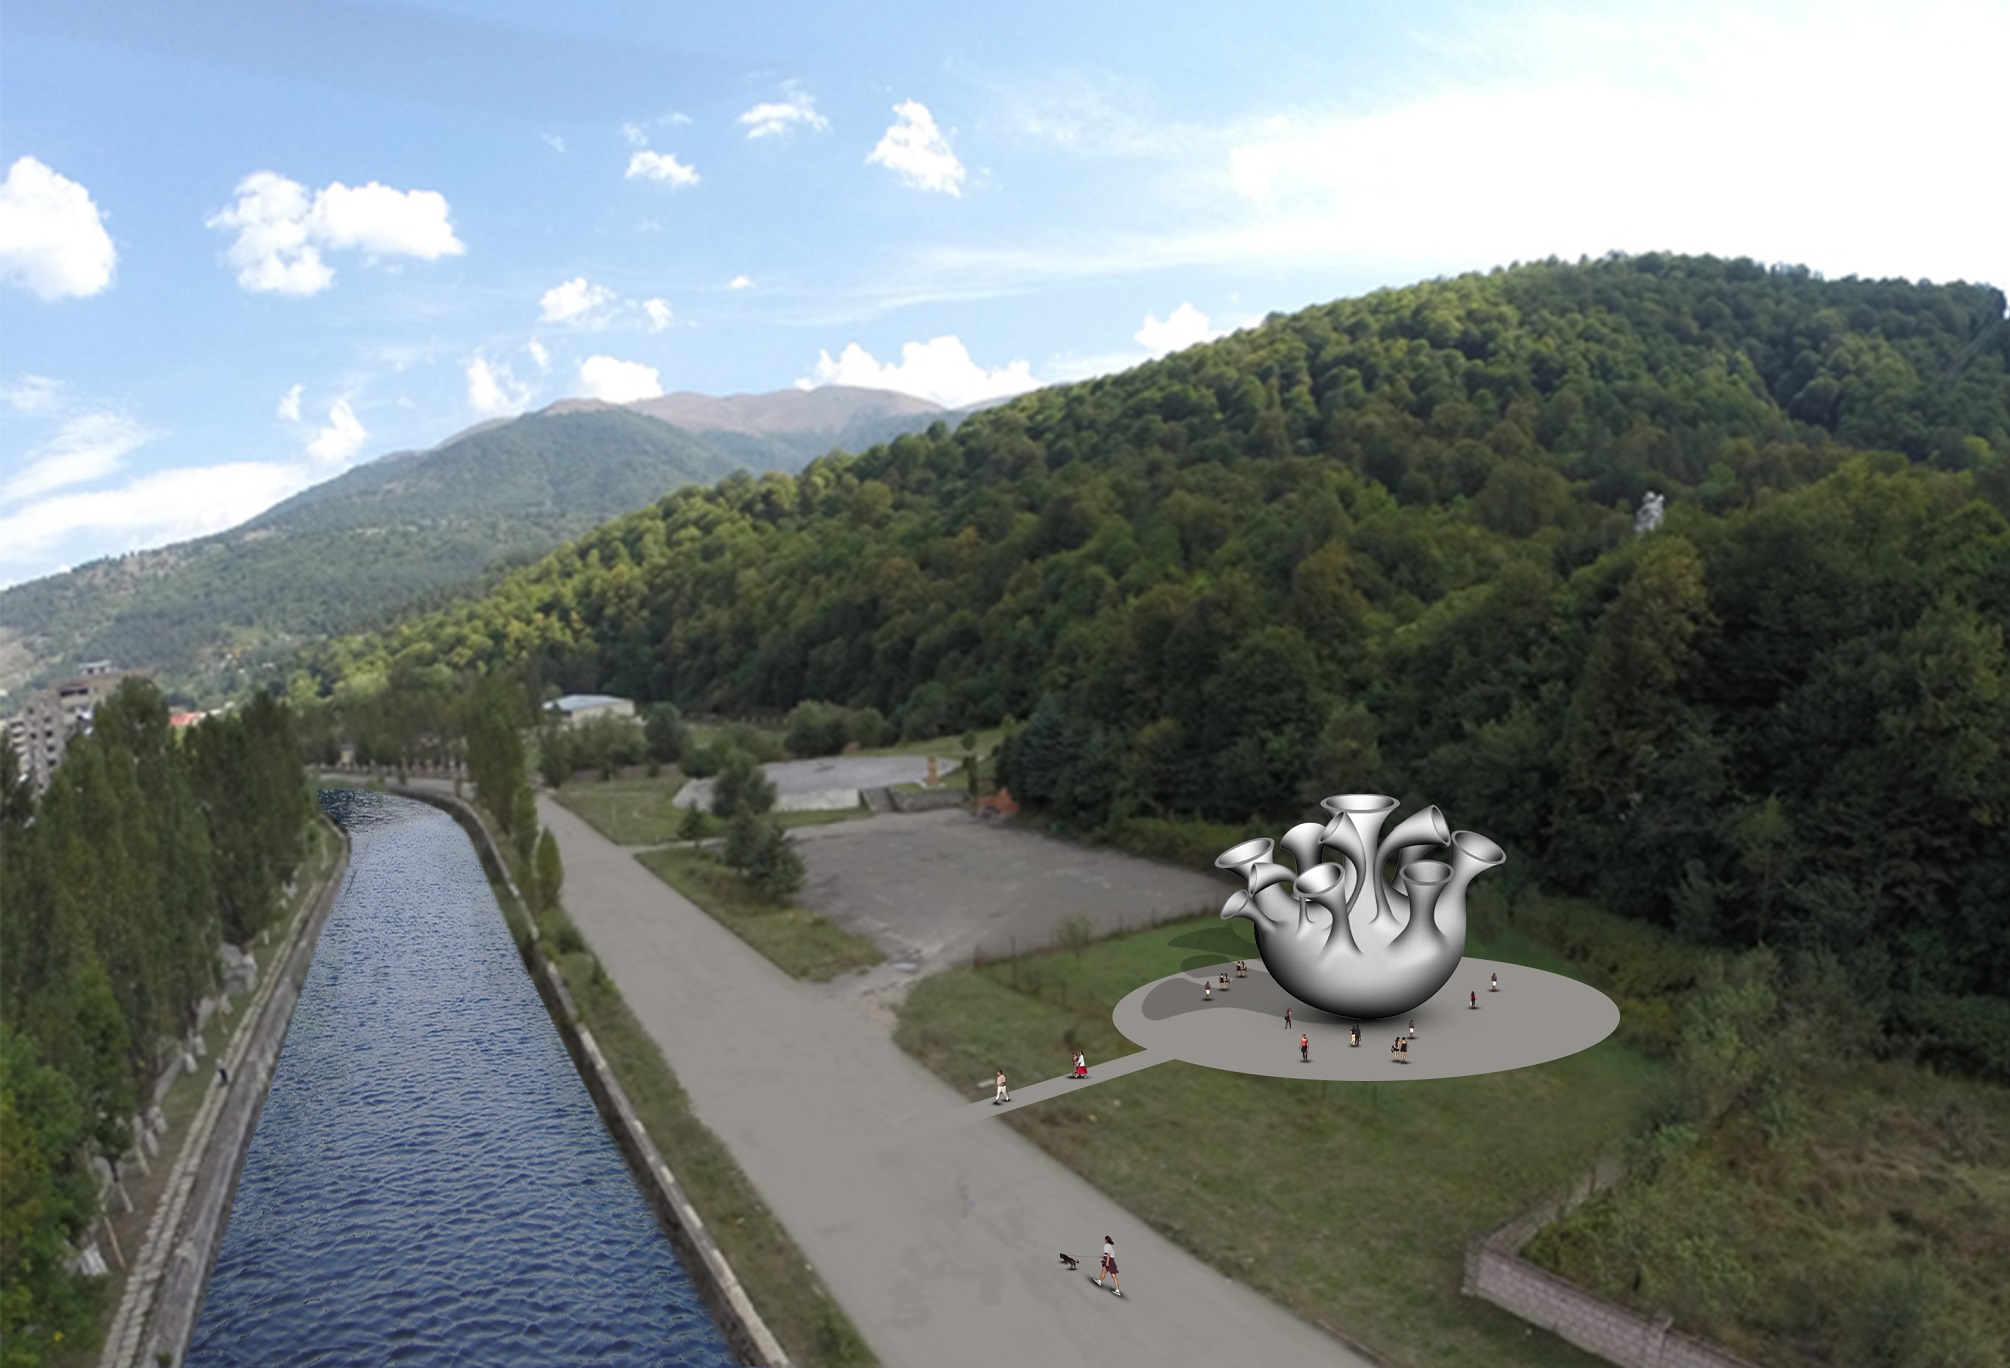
(245, 244)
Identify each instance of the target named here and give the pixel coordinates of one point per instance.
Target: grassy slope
(800, 943)
(1350, 1205)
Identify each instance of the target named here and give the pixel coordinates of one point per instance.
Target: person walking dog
(1110, 1266)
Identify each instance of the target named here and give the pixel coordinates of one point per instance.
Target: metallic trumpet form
(1335, 934)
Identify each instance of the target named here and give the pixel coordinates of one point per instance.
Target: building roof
(573, 703)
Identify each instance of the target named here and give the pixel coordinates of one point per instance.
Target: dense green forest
(116, 887)
(1390, 543)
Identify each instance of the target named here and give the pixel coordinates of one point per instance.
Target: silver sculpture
(1335, 934)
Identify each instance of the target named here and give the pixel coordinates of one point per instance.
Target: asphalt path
(938, 1234)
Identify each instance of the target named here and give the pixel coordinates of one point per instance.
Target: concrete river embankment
(430, 1181)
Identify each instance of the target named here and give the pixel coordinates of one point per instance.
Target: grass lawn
(628, 811)
(800, 943)
(1350, 1204)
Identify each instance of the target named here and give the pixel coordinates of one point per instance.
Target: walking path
(938, 1239)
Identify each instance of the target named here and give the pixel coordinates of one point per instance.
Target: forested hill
(339, 555)
(1389, 543)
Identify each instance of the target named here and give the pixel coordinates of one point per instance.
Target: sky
(247, 244)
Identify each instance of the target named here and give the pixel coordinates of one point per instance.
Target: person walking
(1305, 1049)
(1110, 1266)
(1494, 981)
(1354, 1036)
(1413, 1028)
(1081, 1065)
(1207, 991)
(1473, 1001)
(1403, 1050)
(1002, 1096)
(1287, 1018)
(1394, 1046)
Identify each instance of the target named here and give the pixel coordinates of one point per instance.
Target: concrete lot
(808, 785)
(932, 888)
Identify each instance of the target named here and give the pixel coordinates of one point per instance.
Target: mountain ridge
(433, 520)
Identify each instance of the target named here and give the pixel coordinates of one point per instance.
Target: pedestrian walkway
(938, 1240)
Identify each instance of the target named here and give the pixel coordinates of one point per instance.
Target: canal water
(430, 1182)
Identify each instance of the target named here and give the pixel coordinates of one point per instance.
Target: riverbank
(725, 1297)
(162, 1294)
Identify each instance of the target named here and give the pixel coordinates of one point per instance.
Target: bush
(871, 729)
(764, 746)
(818, 729)
(701, 760)
(696, 826)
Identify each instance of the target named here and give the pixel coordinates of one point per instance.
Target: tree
(773, 867)
(550, 871)
(665, 733)
(741, 786)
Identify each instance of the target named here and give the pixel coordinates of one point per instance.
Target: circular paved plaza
(1535, 1017)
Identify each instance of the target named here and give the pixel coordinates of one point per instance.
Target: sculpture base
(1536, 1017)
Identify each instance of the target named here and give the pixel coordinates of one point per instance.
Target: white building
(574, 709)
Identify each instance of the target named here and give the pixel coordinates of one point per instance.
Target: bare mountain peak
(830, 408)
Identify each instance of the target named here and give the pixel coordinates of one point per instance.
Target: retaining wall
(928, 800)
(1496, 1272)
(732, 1310)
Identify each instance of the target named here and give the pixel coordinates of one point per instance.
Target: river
(430, 1182)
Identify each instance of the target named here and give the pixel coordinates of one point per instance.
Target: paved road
(939, 1243)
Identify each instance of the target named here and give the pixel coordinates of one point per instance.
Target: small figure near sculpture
(1305, 1048)
(1495, 983)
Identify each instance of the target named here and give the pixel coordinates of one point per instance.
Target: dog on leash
(1069, 1262)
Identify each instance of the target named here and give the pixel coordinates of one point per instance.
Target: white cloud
(289, 405)
(634, 134)
(779, 118)
(660, 166)
(282, 231)
(52, 239)
(1649, 100)
(939, 369)
(538, 354)
(554, 141)
(86, 447)
(659, 313)
(739, 282)
(336, 444)
(33, 393)
(493, 389)
(918, 152)
(154, 509)
(1182, 328)
(578, 303)
(617, 381)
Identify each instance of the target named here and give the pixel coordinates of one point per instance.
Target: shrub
(818, 729)
(696, 826)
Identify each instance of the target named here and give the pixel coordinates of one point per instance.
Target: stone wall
(732, 1310)
(1496, 1272)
